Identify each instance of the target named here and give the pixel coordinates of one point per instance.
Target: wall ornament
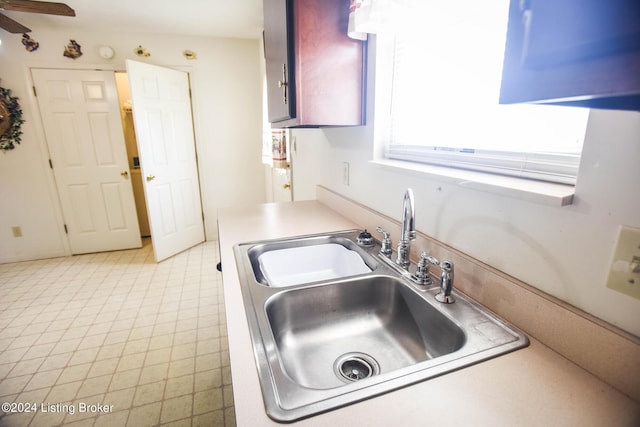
(10, 120)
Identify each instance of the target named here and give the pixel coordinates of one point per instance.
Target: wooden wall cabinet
(315, 72)
(573, 52)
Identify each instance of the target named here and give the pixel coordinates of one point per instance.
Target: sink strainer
(355, 366)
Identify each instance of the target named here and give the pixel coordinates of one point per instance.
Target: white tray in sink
(305, 264)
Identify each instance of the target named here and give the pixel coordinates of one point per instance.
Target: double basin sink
(331, 324)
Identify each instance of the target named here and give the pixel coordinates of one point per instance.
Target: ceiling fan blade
(37, 7)
(12, 26)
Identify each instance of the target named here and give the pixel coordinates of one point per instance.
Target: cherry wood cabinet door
(315, 72)
(278, 46)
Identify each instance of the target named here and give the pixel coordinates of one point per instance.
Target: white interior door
(81, 118)
(281, 184)
(166, 145)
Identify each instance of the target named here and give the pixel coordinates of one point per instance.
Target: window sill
(524, 189)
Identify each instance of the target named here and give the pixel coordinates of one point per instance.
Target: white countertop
(530, 387)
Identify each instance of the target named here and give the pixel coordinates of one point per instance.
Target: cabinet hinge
(282, 84)
(66, 230)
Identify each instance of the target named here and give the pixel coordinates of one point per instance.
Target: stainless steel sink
(315, 328)
(322, 345)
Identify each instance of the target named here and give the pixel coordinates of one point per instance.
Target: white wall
(564, 251)
(227, 91)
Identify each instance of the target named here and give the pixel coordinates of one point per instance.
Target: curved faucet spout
(408, 216)
(408, 229)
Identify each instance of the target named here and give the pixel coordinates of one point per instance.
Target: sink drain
(352, 367)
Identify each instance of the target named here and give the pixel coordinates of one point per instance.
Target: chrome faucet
(422, 276)
(408, 229)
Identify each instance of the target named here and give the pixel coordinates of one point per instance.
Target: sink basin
(330, 335)
(326, 343)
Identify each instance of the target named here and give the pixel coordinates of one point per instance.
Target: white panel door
(166, 145)
(281, 184)
(83, 127)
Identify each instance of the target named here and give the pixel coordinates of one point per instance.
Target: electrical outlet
(17, 231)
(345, 173)
(624, 274)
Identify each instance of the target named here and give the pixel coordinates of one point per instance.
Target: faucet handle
(422, 270)
(386, 234)
(428, 258)
(386, 242)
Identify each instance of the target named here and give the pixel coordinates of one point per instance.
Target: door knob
(124, 173)
(286, 186)
(150, 177)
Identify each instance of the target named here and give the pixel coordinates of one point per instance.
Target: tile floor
(147, 340)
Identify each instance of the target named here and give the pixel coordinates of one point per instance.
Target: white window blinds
(447, 67)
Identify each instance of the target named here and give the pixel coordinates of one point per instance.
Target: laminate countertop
(534, 386)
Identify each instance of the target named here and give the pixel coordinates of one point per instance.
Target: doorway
(128, 128)
(98, 157)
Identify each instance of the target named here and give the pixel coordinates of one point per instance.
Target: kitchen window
(445, 65)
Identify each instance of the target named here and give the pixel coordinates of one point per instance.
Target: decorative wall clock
(106, 52)
(10, 120)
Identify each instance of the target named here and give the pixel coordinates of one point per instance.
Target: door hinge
(50, 164)
(35, 93)
(66, 230)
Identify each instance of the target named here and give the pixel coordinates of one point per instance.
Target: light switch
(624, 274)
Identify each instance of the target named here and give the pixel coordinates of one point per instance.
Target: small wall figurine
(29, 43)
(72, 50)
(141, 52)
(190, 55)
